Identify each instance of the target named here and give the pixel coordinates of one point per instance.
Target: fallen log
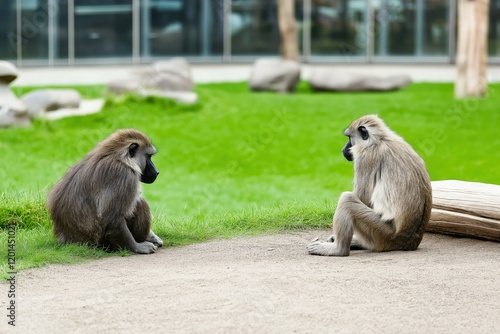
(466, 209)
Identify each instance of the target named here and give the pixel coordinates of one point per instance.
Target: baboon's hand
(145, 248)
(331, 238)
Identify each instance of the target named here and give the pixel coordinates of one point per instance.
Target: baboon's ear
(132, 149)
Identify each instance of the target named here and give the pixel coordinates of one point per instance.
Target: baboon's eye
(363, 132)
(132, 149)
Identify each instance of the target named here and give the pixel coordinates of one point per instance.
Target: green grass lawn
(239, 162)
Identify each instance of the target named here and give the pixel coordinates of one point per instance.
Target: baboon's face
(142, 155)
(356, 136)
(363, 134)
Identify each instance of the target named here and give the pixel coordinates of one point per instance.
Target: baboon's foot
(154, 239)
(145, 247)
(326, 249)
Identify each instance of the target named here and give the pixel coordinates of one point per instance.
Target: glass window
(103, 28)
(494, 29)
(254, 27)
(35, 29)
(61, 30)
(182, 27)
(8, 39)
(338, 27)
(435, 27)
(411, 27)
(394, 27)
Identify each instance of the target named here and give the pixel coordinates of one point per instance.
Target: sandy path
(269, 285)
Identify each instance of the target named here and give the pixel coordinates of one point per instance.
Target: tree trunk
(466, 209)
(472, 48)
(288, 30)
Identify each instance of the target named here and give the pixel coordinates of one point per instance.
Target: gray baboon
(392, 197)
(99, 202)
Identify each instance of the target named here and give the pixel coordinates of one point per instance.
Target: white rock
(182, 97)
(168, 75)
(275, 75)
(336, 80)
(8, 72)
(13, 112)
(86, 107)
(43, 100)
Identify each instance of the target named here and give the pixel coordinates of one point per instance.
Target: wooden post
(472, 48)
(288, 30)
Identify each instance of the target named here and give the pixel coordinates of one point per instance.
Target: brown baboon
(99, 202)
(392, 197)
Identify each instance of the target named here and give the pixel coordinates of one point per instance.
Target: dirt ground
(268, 284)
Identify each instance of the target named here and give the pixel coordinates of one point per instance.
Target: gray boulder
(166, 75)
(47, 103)
(8, 72)
(9, 117)
(13, 112)
(125, 85)
(86, 107)
(274, 75)
(167, 78)
(332, 80)
(182, 97)
(169, 75)
(44, 100)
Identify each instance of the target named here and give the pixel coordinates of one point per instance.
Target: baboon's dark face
(346, 151)
(143, 157)
(150, 172)
(360, 134)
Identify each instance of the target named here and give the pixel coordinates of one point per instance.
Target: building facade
(75, 32)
